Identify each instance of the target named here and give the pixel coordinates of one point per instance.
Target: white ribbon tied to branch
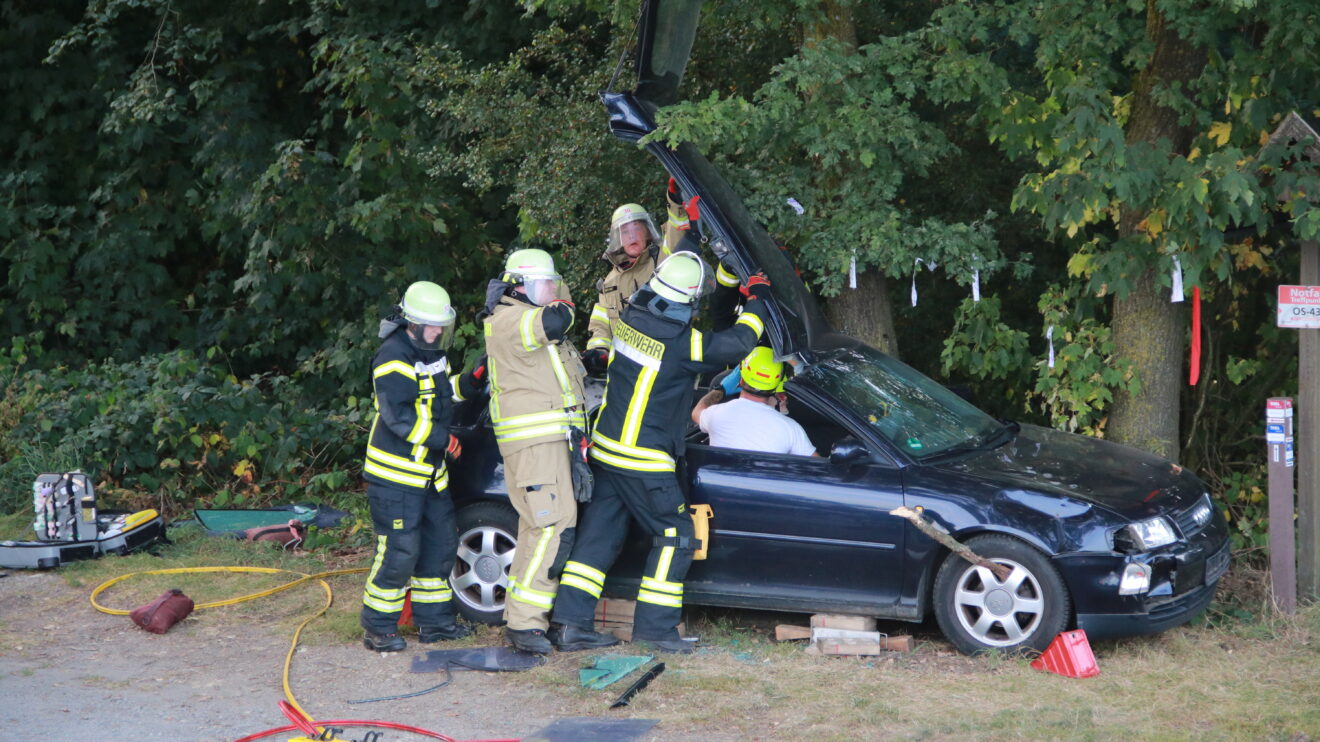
(930, 264)
(1177, 294)
(1049, 337)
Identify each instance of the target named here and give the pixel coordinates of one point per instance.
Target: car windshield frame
(914, 414)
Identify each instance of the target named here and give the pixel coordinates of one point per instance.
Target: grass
(1242, 671)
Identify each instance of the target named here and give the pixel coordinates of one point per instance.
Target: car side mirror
(848, 450)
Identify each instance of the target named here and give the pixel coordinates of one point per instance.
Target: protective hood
(494, 291)
(666, 33)
(389, 325)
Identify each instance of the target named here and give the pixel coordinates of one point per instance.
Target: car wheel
(978, 612)
(487, 537)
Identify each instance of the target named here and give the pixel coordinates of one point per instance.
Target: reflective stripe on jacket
(536, 382)
(648, 393)
(410, 430)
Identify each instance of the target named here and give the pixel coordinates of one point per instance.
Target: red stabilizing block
(405, 615)
(1069, 655)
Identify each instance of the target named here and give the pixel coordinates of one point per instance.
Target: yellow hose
(304, 577)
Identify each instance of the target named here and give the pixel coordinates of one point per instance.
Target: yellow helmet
(682, 278)
(761, 371)
(624, 215)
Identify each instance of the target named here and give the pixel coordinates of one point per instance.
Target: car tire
(487, 538)
(978, 613)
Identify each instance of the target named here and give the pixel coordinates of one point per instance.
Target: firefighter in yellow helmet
(536, 403)
(634, 248)
(638, 437)
(407, 481)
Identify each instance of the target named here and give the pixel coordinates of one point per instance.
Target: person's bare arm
(712, 397)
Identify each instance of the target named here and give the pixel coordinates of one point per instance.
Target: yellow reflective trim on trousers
(632, 422)
(586, 586)
(559, 431)
(382, 605)
(538, 555)
(695, 346)
(399, 462)
(600, 313)
(528, 330)
(532, 597)
(585, 570)
(393, 475)
(646, 596)
(534, 418)
(598, 342)
(639, 452)
(376, 591)
(673, 588)
(565, 388)
(752, 321)
(429, 583)
(394, 367)
(429, 596)
(666, 558)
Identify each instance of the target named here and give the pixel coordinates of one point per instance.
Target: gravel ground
(75, 673)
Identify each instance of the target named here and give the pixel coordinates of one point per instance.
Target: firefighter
(634, 247)
(757, 419)
(536, 402)
(638, 438)
(407, 482)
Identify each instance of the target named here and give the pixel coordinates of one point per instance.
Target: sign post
(1283, 544)
(1308, 436)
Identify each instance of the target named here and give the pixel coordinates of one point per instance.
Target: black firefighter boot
(383, 642)
(449, 632)
(528, 640)
(572, 639)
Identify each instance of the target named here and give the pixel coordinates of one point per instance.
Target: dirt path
(70, 672)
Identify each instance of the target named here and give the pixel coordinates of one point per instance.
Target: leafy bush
(173, 432)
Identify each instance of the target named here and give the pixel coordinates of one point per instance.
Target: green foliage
(168, 431)
(1245, 505)
(1087, 372)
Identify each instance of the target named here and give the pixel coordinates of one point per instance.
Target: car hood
(665, 36)
(1041, 461)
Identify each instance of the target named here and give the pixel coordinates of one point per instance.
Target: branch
(939, 534)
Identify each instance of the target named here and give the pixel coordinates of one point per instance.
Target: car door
(796, 532)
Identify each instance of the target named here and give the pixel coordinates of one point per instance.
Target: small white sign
(1299, 307)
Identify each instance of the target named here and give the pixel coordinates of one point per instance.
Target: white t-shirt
(752, 426)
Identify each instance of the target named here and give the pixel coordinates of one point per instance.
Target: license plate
(1216, 565)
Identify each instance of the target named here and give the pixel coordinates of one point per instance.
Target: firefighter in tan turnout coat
(536, 399)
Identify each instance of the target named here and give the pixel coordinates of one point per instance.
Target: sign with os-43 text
(1299, 306)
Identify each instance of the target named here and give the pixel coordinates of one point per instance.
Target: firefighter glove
(756, 287)
(455, 449)
(595, 360)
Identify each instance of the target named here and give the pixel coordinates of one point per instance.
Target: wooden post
(1283, 540)
(1307, 443)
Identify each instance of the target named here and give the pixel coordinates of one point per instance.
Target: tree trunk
(1148, 329)
(866, 313)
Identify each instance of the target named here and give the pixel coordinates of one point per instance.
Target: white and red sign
(1299, 307)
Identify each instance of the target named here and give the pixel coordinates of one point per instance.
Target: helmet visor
(430, 337)
(629, 238)
(542, 290)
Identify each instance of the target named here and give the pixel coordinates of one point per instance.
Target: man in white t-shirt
(752, 422)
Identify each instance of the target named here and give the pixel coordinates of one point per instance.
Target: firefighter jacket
(410, 431)
(648, 393)
(619, 285)
(536, 391)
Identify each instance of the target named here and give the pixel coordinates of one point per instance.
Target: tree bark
(865, 313)
(1147, 328)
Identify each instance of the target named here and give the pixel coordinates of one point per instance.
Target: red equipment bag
(160, 614)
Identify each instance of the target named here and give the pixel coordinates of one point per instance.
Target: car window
(914, 413)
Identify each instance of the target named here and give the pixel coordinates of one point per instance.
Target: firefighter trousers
(416, 545)
(659, 507)
(540, 488)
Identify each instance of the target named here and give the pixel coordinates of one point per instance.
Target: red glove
(757, 286)
(693, 209)
(672, 192)
(455, 448)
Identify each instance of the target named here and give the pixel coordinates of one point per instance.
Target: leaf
(1219, 132)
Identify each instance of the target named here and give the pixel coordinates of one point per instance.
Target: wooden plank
(1307, 441)
(615, 609)
(788, 632)
(850, 647)
(840, 621)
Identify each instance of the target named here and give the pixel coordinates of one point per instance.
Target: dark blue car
(1096, 535)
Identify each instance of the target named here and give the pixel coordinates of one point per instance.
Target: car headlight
(1135, 580)
(1151, 533)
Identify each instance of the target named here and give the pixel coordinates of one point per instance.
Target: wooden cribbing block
(787, 632)
(615, 609)
(839, 621)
